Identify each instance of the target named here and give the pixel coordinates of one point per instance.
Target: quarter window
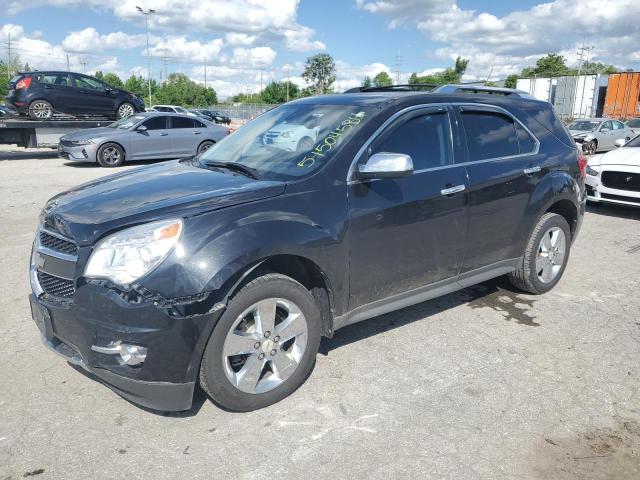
(156, 123)
(61, 79)
(425, 138)
(198, 124)
(525, 140)
(490, 135)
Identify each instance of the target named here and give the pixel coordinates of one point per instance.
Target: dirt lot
(484, 383)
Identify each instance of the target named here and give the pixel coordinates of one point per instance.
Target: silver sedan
(599, 134)
(144, 136)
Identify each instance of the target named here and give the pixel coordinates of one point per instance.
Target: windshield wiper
(236, 167)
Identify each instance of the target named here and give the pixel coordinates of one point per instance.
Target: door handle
(48, 87)
(452, 190)
(530, 170)
(197, 133)
(163, 134)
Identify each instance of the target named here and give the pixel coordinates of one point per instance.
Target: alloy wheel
(111, 155)
(551, 254)
(41, 110)
(265, 345)
(125, 110)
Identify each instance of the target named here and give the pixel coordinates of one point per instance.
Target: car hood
(619, 156)
(177, 188)
(90, 133)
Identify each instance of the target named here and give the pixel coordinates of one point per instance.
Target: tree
(511, 81)
(448, 75)
(320, 71)
(113, 80)
(137, 85)
(551, 65)
(593, 68)
(276, 92)
(181, 90)
(99, 75)
(366, 82)
(382, 79)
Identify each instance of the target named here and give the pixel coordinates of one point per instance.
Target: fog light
(84, 152)
(129, 354)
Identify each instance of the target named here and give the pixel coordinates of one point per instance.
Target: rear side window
(199, 124)
(617, 125)
(525, 140)
(425, 138)
(181, 122)
(156, 123)
(490, 135)
(55, 79)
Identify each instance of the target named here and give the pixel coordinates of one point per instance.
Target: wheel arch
(115, 142)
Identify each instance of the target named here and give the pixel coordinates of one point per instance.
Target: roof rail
(451, 88)
(394, 88)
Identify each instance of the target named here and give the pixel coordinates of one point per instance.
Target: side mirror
(620, 142)
(386, 165)
(141, 129)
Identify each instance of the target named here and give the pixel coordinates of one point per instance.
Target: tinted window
(163, 109)
(606, 125)
(633, 123)
(425, 138)
(88, 83)
(617, 125)
(55, 79)
(490, 135)
(526, 141)
(156, 123)
(199, 124)
(181, 122)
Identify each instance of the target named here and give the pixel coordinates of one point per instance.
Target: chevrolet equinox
(226, 269)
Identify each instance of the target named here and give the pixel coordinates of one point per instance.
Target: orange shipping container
(623, 95)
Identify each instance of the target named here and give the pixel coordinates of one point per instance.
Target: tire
(125, 110)
(305, 143)
(590, 148)
(535, 260)
(40, 110)
(204, 146)
(110, 155)
(229, 379)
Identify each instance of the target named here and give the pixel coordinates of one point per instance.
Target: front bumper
(79, 153)
(599, 193)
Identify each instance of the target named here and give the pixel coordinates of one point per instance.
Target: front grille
(56, 286)
(621, 180)
(620, 198)
(58, 244)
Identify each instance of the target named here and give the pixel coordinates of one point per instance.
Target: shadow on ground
(620, 211)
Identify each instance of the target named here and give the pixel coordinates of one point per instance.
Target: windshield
(128, 122)
(634, 142)
(584, 126)
(290, 141)
(634, 123)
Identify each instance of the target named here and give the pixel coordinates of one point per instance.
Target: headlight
(81, 142)
(581, 135)
(128, 255)
(592, 172)
(287, 134)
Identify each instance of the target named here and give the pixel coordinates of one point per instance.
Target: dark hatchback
(226, 269)
(42, 94)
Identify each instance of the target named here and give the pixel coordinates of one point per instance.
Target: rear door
(58, 90)
(504, 168)
(408, 232)
(185, 137)
(154, 142)
(93, 96)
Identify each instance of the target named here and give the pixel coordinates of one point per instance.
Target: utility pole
(84, 66)
(164, 61)
(287, 82)
(398, 64)
(261, 80)
(205, 73)
(146, 14)
(68, 67)
(9, 62)
(581, 51)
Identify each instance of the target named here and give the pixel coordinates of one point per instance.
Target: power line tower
(84, 66)
(398, 63)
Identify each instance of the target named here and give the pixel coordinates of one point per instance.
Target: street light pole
(146, 14)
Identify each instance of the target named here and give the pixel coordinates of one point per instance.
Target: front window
(584, 126)
(290, 141)
(634, 142)
(128, 122)
(89, 83)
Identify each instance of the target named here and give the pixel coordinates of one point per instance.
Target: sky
(247, 43)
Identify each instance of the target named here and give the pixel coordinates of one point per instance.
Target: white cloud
(89, 40)
(178, 47)
(240, 39)
(253, 57)
(300, 40)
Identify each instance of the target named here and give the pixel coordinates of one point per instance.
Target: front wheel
(545, 256)
(110, 155)
(125, 110)
(264, 346)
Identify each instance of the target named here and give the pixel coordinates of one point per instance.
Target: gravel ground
(485, 383)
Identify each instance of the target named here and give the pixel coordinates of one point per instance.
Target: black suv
(227, 268)
(41, 94)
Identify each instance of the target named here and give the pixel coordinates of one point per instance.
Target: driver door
(154, 142)
(408, 232)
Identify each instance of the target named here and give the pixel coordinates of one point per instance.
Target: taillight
(24, 83)
(582, 164)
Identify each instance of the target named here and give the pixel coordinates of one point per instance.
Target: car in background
(615, 176)
(212, 115)
(598, 134)
(171, 109)
(292, 137)
(4, 111)
(144, 136)
(41, 94)
(634, 125)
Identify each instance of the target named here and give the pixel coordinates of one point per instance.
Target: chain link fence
(243, 112)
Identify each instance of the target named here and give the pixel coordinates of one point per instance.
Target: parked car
(171, 109)
(599, 134)
(615, 176)
(227, 268)
(41, 94)
(212, 115)
(634, 125)
(144, 136)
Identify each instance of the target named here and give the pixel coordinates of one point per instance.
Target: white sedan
(615, 176)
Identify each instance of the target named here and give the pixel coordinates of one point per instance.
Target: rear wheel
(204, 146)
(264, 346)
(40, 110)
(545, 256)
(125, 110)
(110, 155)
(590, 147)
